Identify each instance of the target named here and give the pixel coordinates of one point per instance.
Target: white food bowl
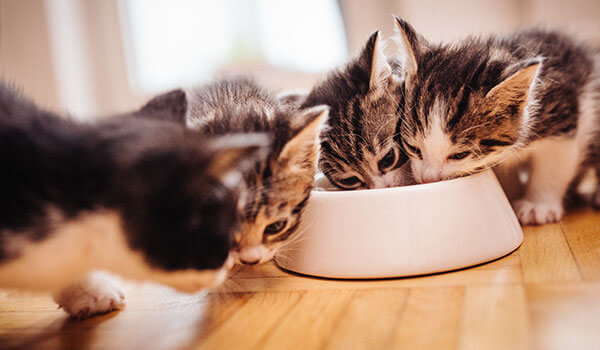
(404, 231)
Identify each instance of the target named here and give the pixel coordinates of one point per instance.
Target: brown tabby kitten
(360, 148)
(277, 189)
(500, 101)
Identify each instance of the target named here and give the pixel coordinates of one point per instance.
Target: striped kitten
(276, 189)
(501, 101)
(361, 148)
(147, 200)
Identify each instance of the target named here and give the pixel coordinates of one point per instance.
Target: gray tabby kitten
(361, 148)
(501, 101)
(278, 188)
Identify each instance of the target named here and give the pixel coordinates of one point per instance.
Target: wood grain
(494, 317)
(430, 319)
(582, 232)
(545, 295)
(546, 256)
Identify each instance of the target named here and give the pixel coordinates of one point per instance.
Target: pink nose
(431, 175)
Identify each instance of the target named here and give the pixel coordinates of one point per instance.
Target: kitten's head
(278, 189)
(179, 197)
(467, 105)
(360, 147)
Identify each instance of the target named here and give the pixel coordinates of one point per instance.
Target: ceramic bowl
(404, 231)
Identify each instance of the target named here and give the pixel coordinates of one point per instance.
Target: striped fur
(501, 100)
(364, 97)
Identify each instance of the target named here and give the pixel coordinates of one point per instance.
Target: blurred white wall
(69, 55)
(25, 53)
(450, 20)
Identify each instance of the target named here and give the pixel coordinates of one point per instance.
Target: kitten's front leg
(553, 165)
(97, 293)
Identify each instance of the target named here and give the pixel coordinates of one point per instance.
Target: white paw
(538, 213)
(98, 293)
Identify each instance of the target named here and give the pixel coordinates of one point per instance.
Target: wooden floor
(545, 295)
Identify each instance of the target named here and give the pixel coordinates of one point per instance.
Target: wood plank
(369, 320)
(494, 317)
(582, 231)
(251, 323)
(565, 316)
(430, 319)
(546, 257)
(310, 323)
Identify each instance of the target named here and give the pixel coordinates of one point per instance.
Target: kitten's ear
(304, 145)
(232, 155)
(170, 106)
(379, 68)
(516, 90)
(410, 44)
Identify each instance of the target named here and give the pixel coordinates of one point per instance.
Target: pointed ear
(511, 100)
(232, 155)
(170, 106)
(379, 68)
(409, 44)
(517, 89)
(304, 145)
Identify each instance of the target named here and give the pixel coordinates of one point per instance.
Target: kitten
(530, 96)
(148, 200)
(278, 188)
(361, 148)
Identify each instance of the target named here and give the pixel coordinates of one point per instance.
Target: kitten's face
(278, 189)
(360, 147)
(465, 110)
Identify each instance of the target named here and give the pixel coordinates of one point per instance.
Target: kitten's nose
(250, 255)
(431, 175)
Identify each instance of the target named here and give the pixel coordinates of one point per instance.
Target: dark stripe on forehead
(357, 127)
(266, 187)
(326, 149)
(258, 196)
(298, 208)
(461, 108)
(476, 76)
(414, 115)
(494, 142)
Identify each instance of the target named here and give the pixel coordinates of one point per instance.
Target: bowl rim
(409, 188)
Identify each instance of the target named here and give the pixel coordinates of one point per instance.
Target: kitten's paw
(538, 213)
(97, 294)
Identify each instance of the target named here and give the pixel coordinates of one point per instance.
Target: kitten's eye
(350, 182)
(388, 161)
(275, 227)
(414, 150)
(459, 156)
